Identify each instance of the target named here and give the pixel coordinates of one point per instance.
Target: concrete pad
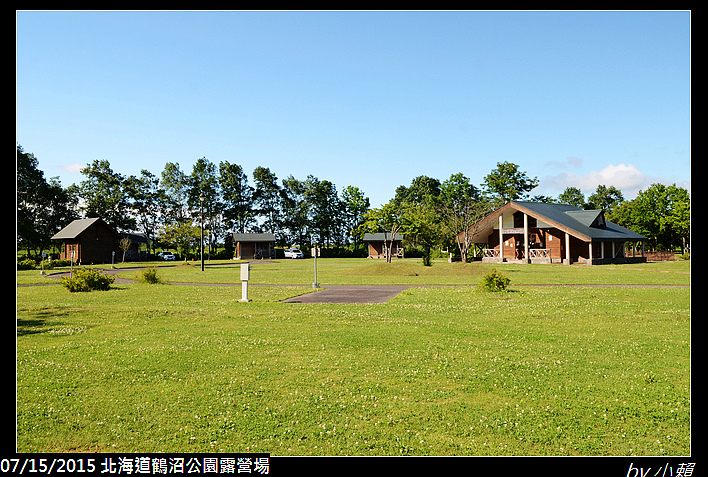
(350, 294)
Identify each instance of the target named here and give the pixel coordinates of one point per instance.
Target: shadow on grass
(46, 320)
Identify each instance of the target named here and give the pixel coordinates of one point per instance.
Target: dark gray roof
(76, 228)
(135, 237)
(380, 237)
(588, 223)
(254, 238)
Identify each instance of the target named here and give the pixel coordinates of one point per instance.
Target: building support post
(526, 239)
(501, 238)
(567, 248)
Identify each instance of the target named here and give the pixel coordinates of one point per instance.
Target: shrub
(59, 263)
(26, 264)
(87, 279)
(494, 281)
(149, 275)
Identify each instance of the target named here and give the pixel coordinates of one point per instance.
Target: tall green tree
(421, 190)
(30, 186)
(461, 205)
(175, 183)
(422, 225)
(237, 197)
(295, 212)
(605, 198)
(266, 198)
(149, 203)
(661, 213)
(43, 207)
(182, 236)
(506, 182)
(204, 199)
(387, 219)
(325, 210)
(104, 195)
(423, 222)
(680, 216)
(572, 196)
(356, 204)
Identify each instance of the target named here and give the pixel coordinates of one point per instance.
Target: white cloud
(626, 177)
(73, 168)
(573, 162)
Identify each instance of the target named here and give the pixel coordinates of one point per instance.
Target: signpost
(315, 253)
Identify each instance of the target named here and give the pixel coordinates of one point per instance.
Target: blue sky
(370, 99)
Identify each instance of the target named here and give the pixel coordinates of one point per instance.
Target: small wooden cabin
(375, 244)
(92, 241)
(254, 246)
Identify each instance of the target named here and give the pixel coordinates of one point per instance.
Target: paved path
(350, 294)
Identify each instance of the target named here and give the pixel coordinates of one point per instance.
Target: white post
(501, 238)
(567, 248)
(316, 252)
(526, 239)
(590, 253)
(245, 276)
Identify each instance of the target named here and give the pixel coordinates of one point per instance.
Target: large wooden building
(535, 232)
(89, 241)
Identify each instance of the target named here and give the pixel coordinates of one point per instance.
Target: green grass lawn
(412, 272)
(435, 371)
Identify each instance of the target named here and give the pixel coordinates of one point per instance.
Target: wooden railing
(534, 253)
(540, 253)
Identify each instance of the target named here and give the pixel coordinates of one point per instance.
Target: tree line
(443, 215)
(172, 209)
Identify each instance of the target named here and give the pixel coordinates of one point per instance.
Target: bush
(58, 263)
(494, 281)
(149, 275)
(26, 264)
(87, 279)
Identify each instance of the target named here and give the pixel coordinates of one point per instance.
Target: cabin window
(599, 222)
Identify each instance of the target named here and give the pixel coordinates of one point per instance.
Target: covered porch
(597, 254)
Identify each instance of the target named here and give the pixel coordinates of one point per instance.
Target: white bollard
(245, 276)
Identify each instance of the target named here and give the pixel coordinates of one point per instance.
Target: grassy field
(435, 371)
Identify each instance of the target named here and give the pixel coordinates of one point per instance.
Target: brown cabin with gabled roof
(377, 243)
(254, 246)
(89, 241)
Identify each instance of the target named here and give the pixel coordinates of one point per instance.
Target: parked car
(293, 253)
(166, 255)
